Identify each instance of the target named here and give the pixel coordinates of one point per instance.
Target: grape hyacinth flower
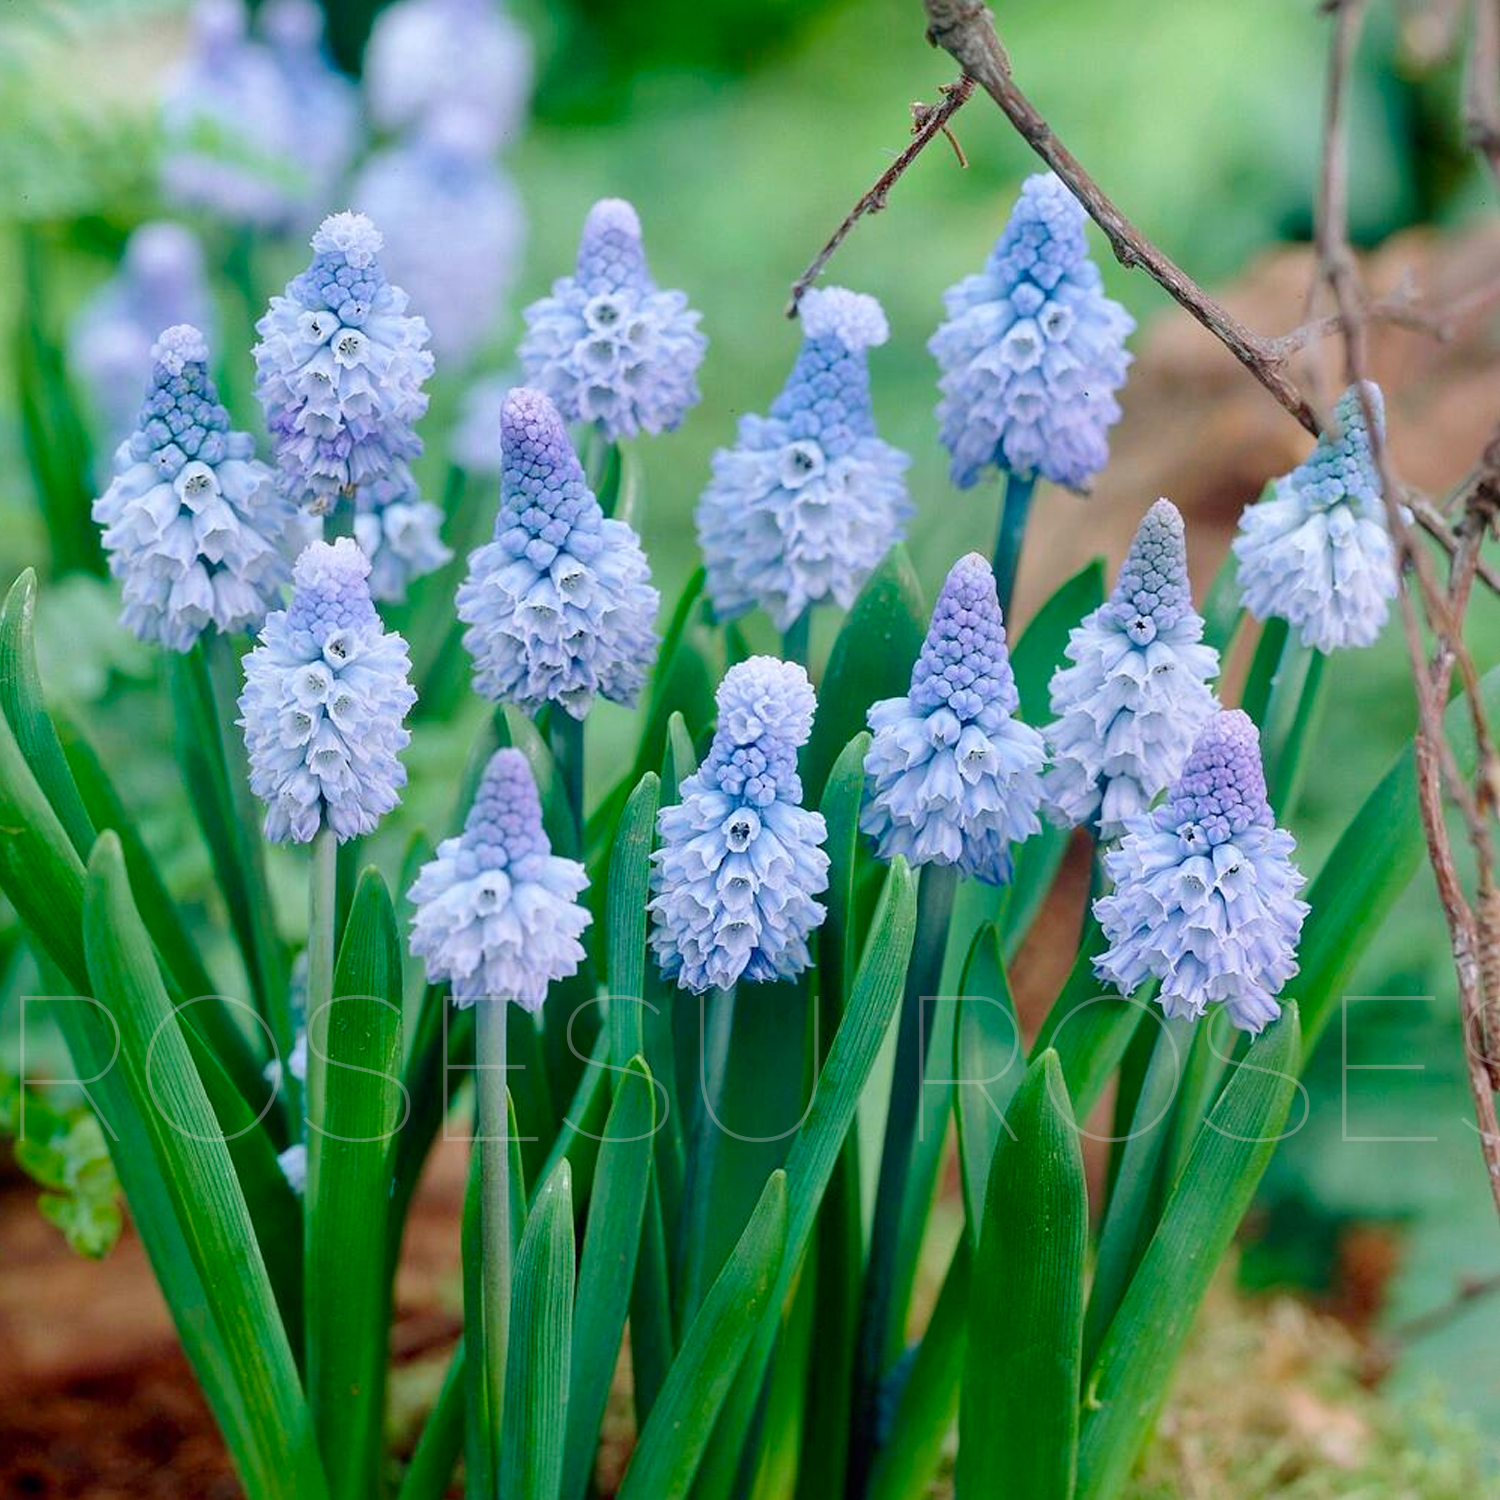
(193, 523)
(608, 345)
(400, 532)
(740, 859)
(559, 605)
(453, 227)
(810, 499)
(425, 56)
(1033, 351)
(340, 369)
(1131, 705)
(497, 914)
(952, 776)
(1318, 553)
(160, 283)
(325, 697)
(1205, 891)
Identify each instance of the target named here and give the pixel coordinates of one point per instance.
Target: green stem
(322, 914)
(1019, 490)
(716, 1039)
(794, 644)
(879, 1333)
(494, 1179)
(565, 735)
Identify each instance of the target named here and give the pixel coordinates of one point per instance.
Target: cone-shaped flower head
(1033, 351)
(427, 55)
(952, 777)
(453, 227)
(497, 913)
(810, 499)
(560, 605)
(1205, 891)
(324, 703)
(740, 859)
(160, 283)
(1318, 553)
(340, 368)
(609, 346)
(193, 523)
(1132, 703)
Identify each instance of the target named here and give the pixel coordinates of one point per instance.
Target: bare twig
(1482, 85)
(928, 122)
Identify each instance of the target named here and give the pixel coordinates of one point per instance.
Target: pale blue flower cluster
(810, 499)
(474, 443)
(608, 345)
(1205, 891)
(1318, 553)
(427, 56)
(400, 532)
(1033, 351)
(952, 776)
(452, 223)
(340, 369)
(559, 606)
(160, 283)
(497, 914)
(1131, 705)
(193, 523)
(258, 132)
(325, 697)
(740, 859)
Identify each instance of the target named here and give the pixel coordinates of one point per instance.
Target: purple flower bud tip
(496, 911)
(1205, 891)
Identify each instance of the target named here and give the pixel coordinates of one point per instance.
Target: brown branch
(928, 122)
(1482, 85)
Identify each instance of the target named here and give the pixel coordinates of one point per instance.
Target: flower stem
(879, 1316)
(322, 914)
(565, 734)
(494, 1179)
(1019, 490)
(794, 643)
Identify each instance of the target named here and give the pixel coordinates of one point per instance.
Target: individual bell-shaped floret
(1033, 351)
(1318, 554)
(559, 606)
(1205, 891)
(193, 523)
(326, 695)
(952, 777)
(340, 369)
(810, 499)
(1132, 703)
(497, 913)
(608, 345)
(741, 860)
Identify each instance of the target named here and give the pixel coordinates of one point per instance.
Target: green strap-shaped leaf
(1221, 606)
(871, 659)
(277, 1453)
(1039, 652)
(1018, 1421)
(743, 1295)
(541, 1340)
(348, 1197)
(606, 1269)
(625, 919)
(1131, 1377)
(432, 1462)
(987, 1063)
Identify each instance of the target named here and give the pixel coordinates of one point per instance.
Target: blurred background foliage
(743, 129)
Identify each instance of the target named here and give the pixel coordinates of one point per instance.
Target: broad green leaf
(787, 1419)
(583, 1121)
(606, 1269)
(1039, 652)
(348, 1196)
(1129, 1220)
(1221, 607)
(1292, 719)
(810, 1164)
(987, 1066)
(928, 1400)
(1255, 699)
(1213, 1047)
(541, 1338)
(625, 919)
(652, 1328)
(741, 1298)
(1018, 1421)
(277, 1454)
(871, 659)
(1132, 1375)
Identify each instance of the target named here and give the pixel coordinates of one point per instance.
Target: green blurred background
(743, 130)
